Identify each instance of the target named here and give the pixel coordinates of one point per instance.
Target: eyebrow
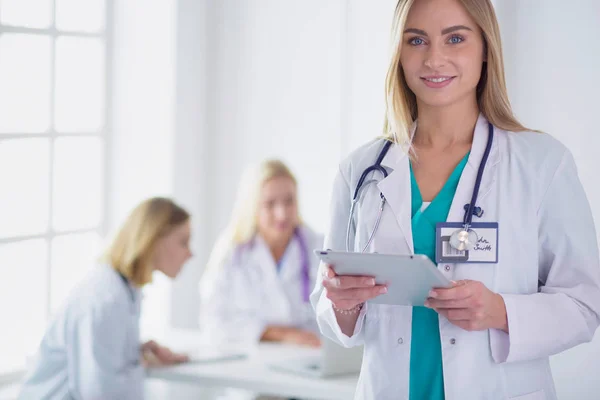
(444, 31)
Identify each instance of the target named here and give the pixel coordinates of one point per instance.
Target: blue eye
(456, 39)
(416, 41)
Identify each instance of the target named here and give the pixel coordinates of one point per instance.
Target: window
(53, 127)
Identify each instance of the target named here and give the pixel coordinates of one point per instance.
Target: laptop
(333, 360)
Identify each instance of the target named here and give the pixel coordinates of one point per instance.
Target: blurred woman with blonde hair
(257, 283)
(92, 349)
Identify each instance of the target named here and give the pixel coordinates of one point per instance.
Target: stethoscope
(462, 239)
(304, 262)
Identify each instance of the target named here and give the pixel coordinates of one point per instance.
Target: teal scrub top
(426, 372)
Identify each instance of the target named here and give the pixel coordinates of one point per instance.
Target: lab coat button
(452, 341)
(400, 341)
(447, 267)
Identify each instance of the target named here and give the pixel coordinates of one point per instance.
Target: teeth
(437, 80)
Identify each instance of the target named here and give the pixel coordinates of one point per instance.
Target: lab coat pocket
(539, 395)
(484, 273)
(378, 323)
(387, 331)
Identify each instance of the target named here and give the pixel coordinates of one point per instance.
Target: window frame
(104, 134)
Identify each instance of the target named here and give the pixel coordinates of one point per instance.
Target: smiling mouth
(438, 79)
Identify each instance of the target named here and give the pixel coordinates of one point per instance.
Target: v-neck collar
(447, 190)
(278, 265)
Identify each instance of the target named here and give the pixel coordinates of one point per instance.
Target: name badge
(484, 251)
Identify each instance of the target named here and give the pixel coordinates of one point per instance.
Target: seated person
(91, 349)
(258, 279)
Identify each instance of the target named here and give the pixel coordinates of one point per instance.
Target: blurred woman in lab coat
(262, 269)
(92, 349)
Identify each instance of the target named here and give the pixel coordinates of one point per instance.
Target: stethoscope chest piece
(463, 239)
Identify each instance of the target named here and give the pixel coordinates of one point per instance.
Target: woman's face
(442, 52)
(278, 209)
(173, 250)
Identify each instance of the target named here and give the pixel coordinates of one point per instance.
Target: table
(253, 373)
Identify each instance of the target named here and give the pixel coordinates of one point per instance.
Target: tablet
(409, 278)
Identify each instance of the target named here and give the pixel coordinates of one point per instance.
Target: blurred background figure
(92, 349)
(257, 284)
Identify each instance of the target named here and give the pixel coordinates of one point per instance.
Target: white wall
(366, 62)
(192, 144)
(304, 81)
(141, 146)
(277, 94)
(271, 75)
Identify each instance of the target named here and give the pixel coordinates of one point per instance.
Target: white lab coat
(246, 293)
(91, 349)
(546, 232)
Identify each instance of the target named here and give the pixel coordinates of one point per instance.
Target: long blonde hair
(492, 96)
(133, 247)
(244, 219)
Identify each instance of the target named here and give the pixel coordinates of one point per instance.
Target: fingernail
(433, 294)
(382, 290)
(336, 281)
(370, 282)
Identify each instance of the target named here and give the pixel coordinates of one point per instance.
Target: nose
(435, 57)
(280, 213)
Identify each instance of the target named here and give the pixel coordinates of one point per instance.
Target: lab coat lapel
(464, 191)
(396, 190)
(291, 259)
(274, 291)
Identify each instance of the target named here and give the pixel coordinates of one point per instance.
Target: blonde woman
(258, 281)
(454, 153)
(92, 348)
